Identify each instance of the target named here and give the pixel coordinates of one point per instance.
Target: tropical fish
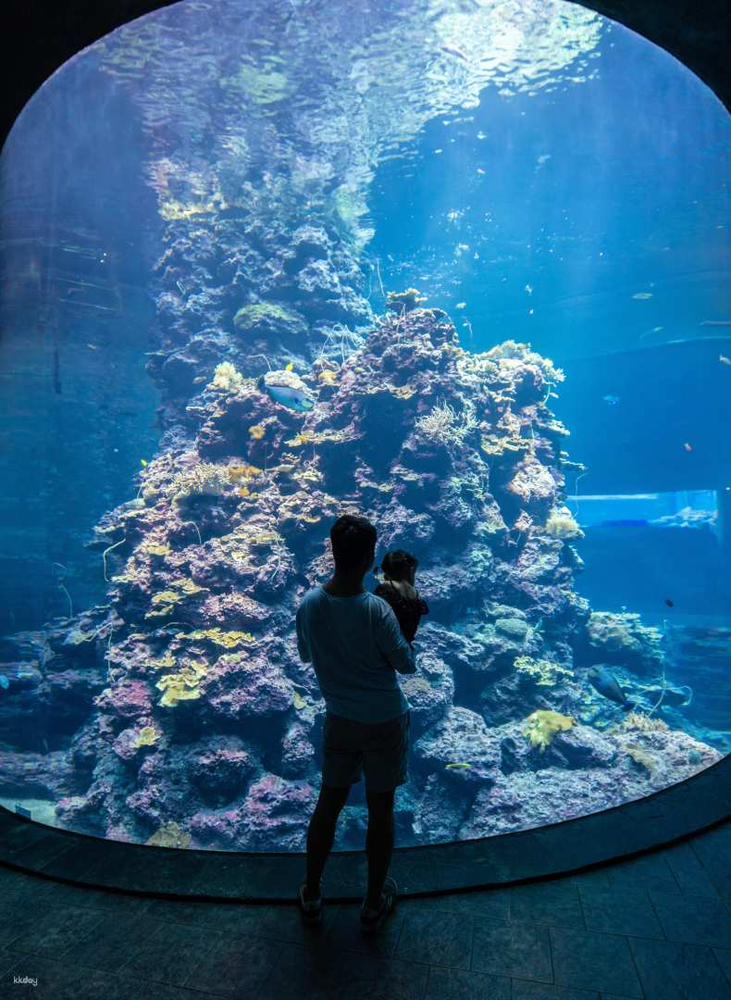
(454, 51)
(460, 305)
(716, 322)
(724, 360)
(299, 701)
(4, 682)
(289, 366)
(642, 295)
(295, 399)
(458, 765)
(529, 289)
(688, 447)
(670, 604)
(612, 400)
(607, 685)
(256, 431)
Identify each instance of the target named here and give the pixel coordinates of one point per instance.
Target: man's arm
(303, 645)
(390, 640)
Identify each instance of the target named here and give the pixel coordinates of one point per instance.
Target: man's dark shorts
(380, 749)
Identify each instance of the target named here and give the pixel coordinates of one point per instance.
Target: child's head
(399, 565)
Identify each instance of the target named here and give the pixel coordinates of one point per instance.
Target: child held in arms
(397, 589)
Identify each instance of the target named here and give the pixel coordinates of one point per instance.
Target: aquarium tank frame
(663, 817)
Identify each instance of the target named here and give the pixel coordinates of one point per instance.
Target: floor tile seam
(626, 940)
(725, 977)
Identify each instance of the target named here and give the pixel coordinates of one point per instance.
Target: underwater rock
(620, 638)
(577, 747)
(219, 767)
(232, 529)
(460, 737)
(441, 809)
(40, 775)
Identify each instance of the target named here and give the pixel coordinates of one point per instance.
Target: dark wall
(38, 36)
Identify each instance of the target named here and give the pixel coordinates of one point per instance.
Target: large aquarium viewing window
(462, 268)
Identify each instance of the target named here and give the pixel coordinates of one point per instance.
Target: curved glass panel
(461, 268)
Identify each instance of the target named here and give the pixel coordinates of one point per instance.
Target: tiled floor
(657, 927)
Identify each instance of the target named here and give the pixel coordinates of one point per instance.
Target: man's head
(353, 541)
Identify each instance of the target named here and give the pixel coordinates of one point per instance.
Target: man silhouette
(354, 642)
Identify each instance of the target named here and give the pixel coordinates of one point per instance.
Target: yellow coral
(641, 757)
(153, 549)
(226, 639)
(184, 685)
(166, 597)
(541, 726)
(147, 737)
(545, 672)
(328, 377)
(227, 377)
(168, 660)
(256, 431)
(299, 439)
(169, 835)
(242, 471)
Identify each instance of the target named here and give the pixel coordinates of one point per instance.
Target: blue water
(541, 174)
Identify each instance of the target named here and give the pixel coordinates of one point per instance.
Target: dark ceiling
(38, 36)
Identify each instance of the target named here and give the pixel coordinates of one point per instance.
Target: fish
(529, 289)
(299, 701)
(460, 305)
(688, 447)
(607, 685)
(452, 50)
(4, 682)
(670, 604)
(289, 366)
(724, 360)
(612, 400)
(295, 399)
(256, 431)
(458, 765)
(716, 322)
(642, 295)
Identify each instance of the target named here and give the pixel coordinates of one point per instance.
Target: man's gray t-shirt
(356, 646)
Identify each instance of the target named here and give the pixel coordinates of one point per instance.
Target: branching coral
(545, 672)
(227, 377)
(560, 524)
(444, 425)
(541, 726)
(205, 479)
(636, 721)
